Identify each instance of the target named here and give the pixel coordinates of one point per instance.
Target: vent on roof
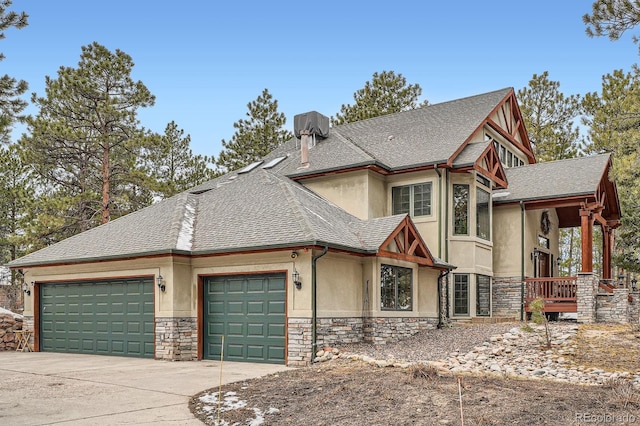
(250, 167)
(273, 162)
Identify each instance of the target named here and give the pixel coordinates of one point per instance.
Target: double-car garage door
(114, 317)
(249, 312)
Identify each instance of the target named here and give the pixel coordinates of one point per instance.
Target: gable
(405, 243)
(489, 165)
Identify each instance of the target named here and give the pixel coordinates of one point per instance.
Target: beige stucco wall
(340, 286)
(350, 191)
(508, 239)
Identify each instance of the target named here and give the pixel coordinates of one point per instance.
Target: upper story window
(412, 199)
(483, 219)
(396, 288)
(460, 209)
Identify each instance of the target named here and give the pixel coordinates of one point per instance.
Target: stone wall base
(386, 330)
(506, 295)
(176, 339)
(8, 327)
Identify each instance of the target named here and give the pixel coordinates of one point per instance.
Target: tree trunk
(105, 186)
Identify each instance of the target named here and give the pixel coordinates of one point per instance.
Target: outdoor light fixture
(559, 261)
(160, 282)
(26, 289)
(620, 279)
(634, 283)
(295, 277)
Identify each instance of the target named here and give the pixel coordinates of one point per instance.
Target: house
(372, 231)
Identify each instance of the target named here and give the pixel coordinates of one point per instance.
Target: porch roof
(564, 185)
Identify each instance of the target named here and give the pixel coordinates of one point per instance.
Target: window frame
(455, 297)
(455, 206)
(480, 222)
(412, 199)
(397, 270)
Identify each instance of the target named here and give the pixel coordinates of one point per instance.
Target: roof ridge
(351, 144)
(294, 202)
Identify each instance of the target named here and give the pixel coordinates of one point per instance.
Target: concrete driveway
(42, 388)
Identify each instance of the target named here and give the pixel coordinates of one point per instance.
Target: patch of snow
(232, 402)
(8, 312)
(185, 236)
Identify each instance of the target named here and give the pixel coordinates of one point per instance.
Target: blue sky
(205, 60)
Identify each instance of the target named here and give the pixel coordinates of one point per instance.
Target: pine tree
(612, 18)
(84, 143)
(386, 93)
(256, 135)
(613, 118)
(548, 115)
(172, 165)
(10, 89)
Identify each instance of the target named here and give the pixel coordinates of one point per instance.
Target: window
(396, 288)
(483, 220)
(543, 241)
(412, 199)
(460, 209)
(460, 294)
(483, 295)
(503, 155)
(483, 180)
(509, 159)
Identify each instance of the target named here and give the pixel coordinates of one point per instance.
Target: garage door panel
(251, 316)
(113, 317)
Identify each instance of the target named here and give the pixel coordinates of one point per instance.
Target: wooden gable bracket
(514, 123)
(495, 170)
(408, 243)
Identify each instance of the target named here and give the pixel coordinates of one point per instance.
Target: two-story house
(372, 231)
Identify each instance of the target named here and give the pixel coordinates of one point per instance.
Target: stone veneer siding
(339, 330)
(385, 330)
(176, 339)
(613, 307)
(507, 297)
(299, 341)
(634, 307)
(586, 294)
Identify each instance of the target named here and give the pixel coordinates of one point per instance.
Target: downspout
(446, 233)
(439, 211)
(522, 261)
(314, 313)
(442, 275)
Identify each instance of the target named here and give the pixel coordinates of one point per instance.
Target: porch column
(606, 252)
(586, 231)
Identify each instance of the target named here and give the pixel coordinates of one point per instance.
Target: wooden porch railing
(559, 293)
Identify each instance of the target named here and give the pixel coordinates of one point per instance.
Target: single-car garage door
(114, 317)
(249, 311)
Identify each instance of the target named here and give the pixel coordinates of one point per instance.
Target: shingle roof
(470, 154)
(562, 178)
(255, 210)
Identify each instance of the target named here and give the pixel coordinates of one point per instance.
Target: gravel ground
(431, 345)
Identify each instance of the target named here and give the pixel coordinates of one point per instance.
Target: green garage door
(114, 317)
(249, 311)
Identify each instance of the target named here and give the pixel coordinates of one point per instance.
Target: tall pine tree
(549, 118)
(612, 18)
(10, 89)
(386, 93)
(255, 136)
(84, 143)
(172, 166)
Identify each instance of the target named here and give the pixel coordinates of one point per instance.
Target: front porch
(560, 294)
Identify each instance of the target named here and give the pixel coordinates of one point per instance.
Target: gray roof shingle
(562, 178)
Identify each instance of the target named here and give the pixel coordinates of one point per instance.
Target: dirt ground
(349, 393)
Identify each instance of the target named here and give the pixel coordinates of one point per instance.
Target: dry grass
(610, 347)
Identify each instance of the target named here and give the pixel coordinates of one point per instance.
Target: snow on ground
(229, 402)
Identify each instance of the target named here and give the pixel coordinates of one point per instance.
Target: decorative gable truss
(489, 165)
(506, 119)
(405, 243)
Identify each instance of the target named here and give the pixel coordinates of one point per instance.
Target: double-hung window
(396, 288)
(412, 199)
(483, 221)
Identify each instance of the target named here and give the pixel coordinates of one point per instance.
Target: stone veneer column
(634, 307)
(176, 339)
(299, 341)
(586, 294)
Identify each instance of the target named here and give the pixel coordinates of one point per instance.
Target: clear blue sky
(205, 60)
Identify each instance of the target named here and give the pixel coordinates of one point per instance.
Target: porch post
(606, 252)
(586, 231)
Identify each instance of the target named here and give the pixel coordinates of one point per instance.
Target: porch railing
(559, 293)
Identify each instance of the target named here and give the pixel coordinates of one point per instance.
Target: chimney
(308, 127)
(305, 137)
